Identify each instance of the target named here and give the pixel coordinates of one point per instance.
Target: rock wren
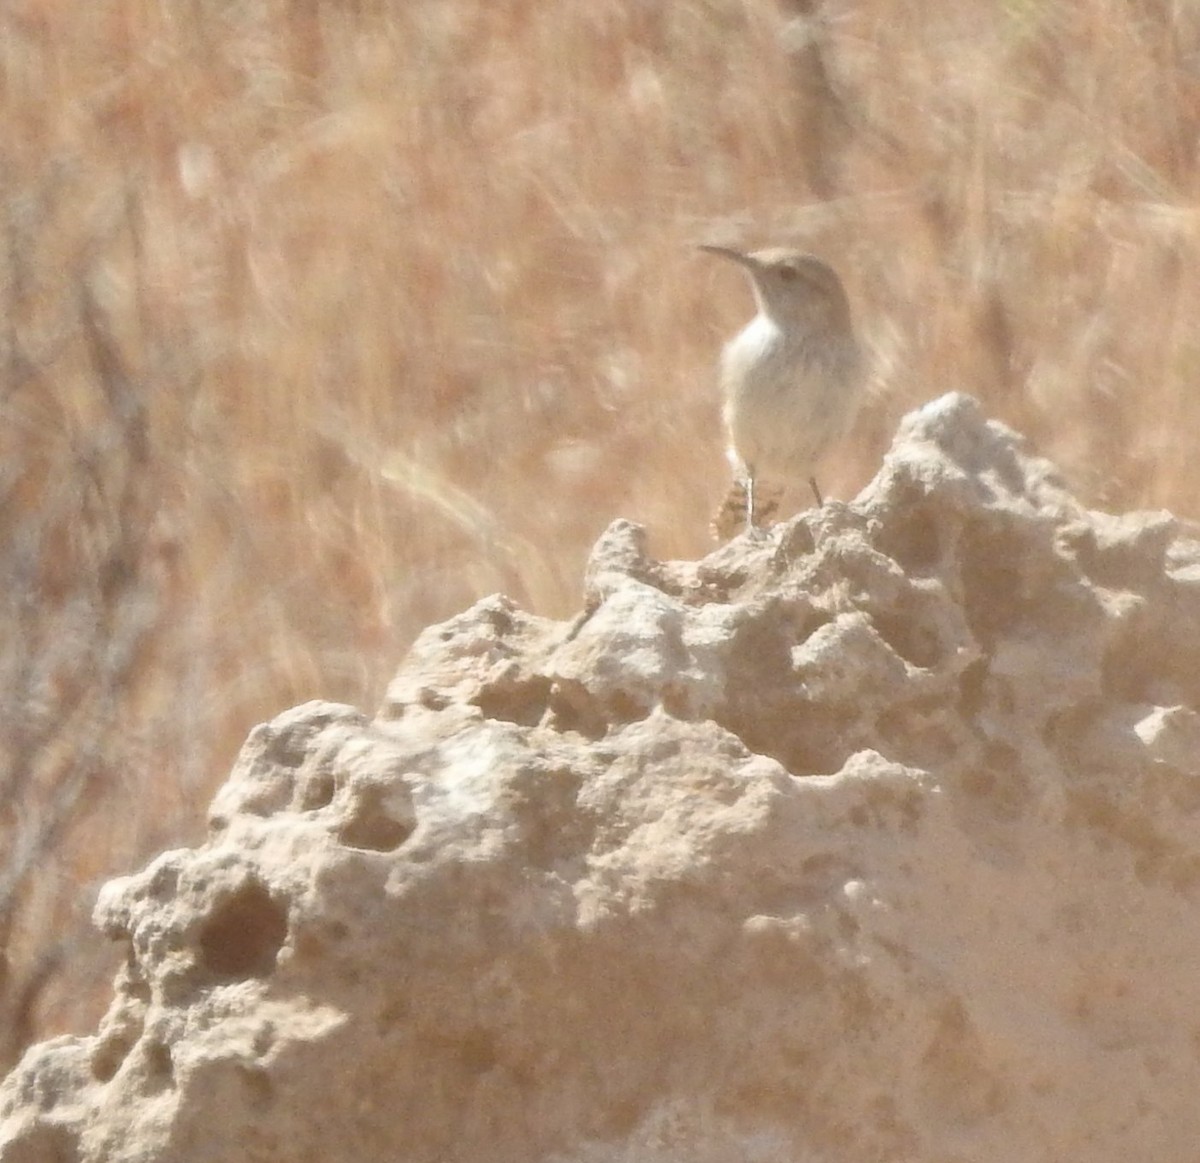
(791, 378)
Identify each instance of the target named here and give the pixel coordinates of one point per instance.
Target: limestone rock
(876, 837)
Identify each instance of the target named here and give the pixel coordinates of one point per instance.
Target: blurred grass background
(320, 320)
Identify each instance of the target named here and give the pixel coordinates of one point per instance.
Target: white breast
(785, 399)
(751, 348)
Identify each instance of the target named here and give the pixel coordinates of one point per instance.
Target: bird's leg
(749, 501)
(812, 482)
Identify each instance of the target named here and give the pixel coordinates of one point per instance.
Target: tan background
(320, 320)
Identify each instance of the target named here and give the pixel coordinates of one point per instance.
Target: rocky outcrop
(876, 837)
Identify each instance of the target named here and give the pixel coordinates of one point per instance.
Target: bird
(792, 379)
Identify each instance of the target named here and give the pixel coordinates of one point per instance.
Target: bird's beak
(738, 256)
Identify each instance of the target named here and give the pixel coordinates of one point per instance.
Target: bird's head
(790, 285)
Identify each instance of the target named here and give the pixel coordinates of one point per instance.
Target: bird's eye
(788, 274)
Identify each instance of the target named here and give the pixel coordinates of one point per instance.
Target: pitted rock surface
(875, 836)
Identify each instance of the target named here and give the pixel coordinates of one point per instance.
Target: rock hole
(110, 1054)
(813, 741)
(244, 934)
(914, 543)
(374, 825)
(676, 701)
(573, 708)
(317, 792)
(523, 701)
(285, 748)
(160, 1067)
(622, 708)
(918, 644)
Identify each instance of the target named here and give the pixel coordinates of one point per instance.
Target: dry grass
(321, 320)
